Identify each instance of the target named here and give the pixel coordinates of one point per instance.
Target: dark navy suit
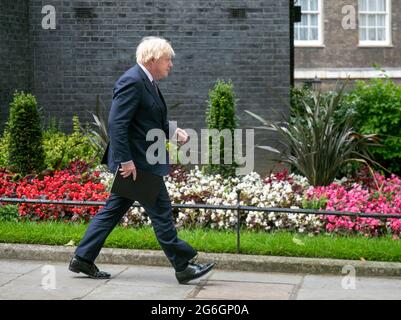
(136, 108)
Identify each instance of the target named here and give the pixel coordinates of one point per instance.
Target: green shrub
(61, 149)
(315, 144)
(8, 213)
(220, 115)
(4, 141)
(25, 147)
(378, 106)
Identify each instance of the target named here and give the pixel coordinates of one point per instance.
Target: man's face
(161, 67)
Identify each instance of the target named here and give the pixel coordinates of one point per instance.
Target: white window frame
(377, 43)
(320, 41)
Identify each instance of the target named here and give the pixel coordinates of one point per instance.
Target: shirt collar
(146, 72)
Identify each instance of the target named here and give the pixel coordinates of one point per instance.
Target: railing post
(238, 220)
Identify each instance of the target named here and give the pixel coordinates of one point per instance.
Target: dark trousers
(176, 250)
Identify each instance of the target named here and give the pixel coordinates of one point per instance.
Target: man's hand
(127, 169)
(182, 136)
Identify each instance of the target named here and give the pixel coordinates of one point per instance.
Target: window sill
(376, 45)
(309, 46)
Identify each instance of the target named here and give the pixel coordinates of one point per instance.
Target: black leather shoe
(193, 271)
(90, 269)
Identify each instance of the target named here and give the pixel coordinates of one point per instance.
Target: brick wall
(15, 56)
(95, 41)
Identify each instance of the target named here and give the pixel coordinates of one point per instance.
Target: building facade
(348, 38)
(94, 42)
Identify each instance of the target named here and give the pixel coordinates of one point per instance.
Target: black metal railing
(237, 207)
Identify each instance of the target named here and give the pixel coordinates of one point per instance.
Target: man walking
(137, 107)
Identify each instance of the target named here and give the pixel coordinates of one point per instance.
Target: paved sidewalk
(225, 261)
(28, 279)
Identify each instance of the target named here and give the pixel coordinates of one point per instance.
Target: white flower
(216, 190)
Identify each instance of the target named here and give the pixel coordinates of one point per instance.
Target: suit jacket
(136, 108)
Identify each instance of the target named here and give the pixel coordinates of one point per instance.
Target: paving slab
(15, 266)
(224, 261)
(281, 278)
(237, 290)
(53, 281)
(154, 276)
(7, 277)
(328, 287)
(138, 292)
(50, 281)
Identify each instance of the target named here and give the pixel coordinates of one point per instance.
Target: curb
(224, 261)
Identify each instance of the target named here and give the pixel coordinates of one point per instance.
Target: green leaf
(70, 243)
(298, 242)
(271, 149)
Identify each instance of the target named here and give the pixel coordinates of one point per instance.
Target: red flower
(73, 183)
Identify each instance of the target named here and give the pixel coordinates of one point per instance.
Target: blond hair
(153, 47)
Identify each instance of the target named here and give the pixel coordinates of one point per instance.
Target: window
(308, 32)
(374, 22)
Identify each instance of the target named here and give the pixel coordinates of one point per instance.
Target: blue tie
(156, 88)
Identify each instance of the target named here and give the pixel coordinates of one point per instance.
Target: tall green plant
(317, 145)
(97, 133)
(4, 142)
(25, 149)
(299, 96)
(220, 115)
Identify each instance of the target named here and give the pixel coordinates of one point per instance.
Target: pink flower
(362, 198)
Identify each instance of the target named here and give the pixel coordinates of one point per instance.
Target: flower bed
(286, 191)
(364, 194)
(281, 190)
(357, 197)
(73, 183)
